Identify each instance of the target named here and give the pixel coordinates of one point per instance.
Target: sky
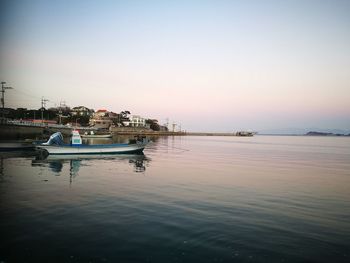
(207, 65)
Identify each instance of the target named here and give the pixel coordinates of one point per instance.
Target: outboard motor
(138, 139)
(142, 140)
(55, 139)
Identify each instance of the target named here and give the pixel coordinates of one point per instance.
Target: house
(82, 111)
(101, 119)
(101, 113)
(137, 121)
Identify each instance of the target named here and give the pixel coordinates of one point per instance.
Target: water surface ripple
(188, 199)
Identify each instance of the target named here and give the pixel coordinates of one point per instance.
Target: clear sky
(209, 65)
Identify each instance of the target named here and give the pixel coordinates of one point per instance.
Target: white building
(137, 121)
(82, 111)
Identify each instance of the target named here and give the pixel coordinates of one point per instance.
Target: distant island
(315, 133)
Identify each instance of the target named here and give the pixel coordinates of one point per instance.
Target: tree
(123, 116)
(153, 124)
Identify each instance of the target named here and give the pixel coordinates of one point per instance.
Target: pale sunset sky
(209, 65)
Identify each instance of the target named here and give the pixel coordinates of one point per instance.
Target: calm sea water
(188, 199)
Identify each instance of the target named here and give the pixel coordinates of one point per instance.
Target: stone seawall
(210, 134)
(8, 131)
(14, 132)
(142, 131)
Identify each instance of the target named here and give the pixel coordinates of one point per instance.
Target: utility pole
(167, 123)
(60, 111)
(43, 105)
(63, 105)
(3, 88)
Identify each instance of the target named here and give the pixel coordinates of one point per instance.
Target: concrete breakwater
(210, 134)
(22, 131)
(143, 131)
(12, 131)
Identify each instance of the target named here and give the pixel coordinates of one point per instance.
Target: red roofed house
(101, 119)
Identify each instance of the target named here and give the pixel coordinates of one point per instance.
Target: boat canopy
(76, 139)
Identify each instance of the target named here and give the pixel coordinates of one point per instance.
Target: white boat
(96, 136)
(55, 146)
(245, 133)
(91, 134)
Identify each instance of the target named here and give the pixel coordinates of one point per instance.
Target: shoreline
(20, 131)
(11, 131)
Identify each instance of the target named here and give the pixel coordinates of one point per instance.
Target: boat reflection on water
(56, 163)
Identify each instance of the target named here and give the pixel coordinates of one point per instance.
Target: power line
(34, 97)
(27, 94)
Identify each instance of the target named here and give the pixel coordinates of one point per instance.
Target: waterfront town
(84, 118)
(23, 121)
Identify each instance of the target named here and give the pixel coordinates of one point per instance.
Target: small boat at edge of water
(91, 134)
(55, 145)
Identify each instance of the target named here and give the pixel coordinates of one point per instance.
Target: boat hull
(94, 149)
